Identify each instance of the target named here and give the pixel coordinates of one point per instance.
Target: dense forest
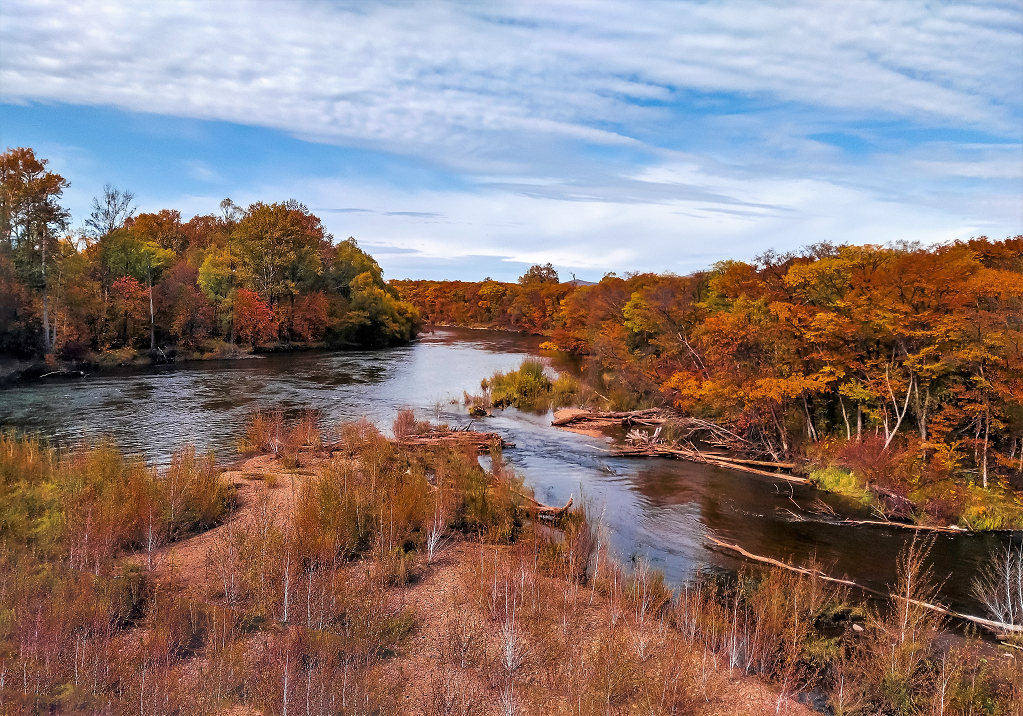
(268, 274)
(902, 360)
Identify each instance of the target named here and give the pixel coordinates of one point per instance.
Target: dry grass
(321, 593)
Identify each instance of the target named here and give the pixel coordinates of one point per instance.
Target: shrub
(526, 388)
(840, 481)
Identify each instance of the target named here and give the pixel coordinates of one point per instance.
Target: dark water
(657, 510)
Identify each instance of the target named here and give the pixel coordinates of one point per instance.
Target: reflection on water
(658, 510)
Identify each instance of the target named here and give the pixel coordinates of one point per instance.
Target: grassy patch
(842, 482)
(993, 508)
(529, 387)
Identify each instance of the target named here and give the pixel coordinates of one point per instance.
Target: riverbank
(996, 509)
(401, 576)
(276, 604)
(15, 370)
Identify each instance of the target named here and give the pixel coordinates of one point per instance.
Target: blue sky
(458, 140)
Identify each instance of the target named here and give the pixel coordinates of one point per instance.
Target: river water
(656, 510)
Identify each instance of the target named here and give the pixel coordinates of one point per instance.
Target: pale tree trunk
(811, 431)
(987, 436)
(47, 346)
(152, 315)
(890, 434)
(921, 409)
(845, 417)
(782, 433)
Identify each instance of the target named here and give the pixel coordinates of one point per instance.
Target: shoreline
(16, 371)
(597, 432)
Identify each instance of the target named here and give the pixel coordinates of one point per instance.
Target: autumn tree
(253, 317)
(31, 222)
(539, 274)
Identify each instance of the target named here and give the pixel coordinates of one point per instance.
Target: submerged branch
(999, 629)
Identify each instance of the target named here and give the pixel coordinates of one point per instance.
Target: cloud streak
(572, 125)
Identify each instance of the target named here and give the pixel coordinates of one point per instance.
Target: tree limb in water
(997, 628)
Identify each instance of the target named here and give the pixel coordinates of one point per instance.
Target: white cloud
(506, 94)
(454, 80)
(592, 237)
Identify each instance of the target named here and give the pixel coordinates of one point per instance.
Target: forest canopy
(266, 274)
(904, 360)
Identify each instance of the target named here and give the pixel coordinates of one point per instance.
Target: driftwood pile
(597, 419)
(640, 444)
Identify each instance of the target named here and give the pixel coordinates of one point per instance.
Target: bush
(526, 388)
(842, 482)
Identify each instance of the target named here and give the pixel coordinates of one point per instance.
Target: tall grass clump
(94, 501)
(269, 432)
(67, 520)
(373, 497)
(527, 388)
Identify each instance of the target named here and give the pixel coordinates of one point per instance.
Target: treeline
(265, 274)
(901, 349)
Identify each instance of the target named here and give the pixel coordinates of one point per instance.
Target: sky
(461, 140)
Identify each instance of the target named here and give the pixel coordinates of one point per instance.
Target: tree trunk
(987, 435)
(152, 315)
(845, 417)
(890, 435)
(811, 431)
(291, 317)
(782, 433)
(921, 409)
(46, 303)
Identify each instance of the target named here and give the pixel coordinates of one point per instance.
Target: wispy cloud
(202, 171)
(585, 132)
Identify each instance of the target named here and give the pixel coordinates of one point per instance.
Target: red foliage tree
(129, 301)
(254, 321)
(310, 318)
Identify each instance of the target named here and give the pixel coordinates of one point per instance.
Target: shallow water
(656, 510)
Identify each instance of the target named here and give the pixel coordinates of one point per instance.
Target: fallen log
(481, 442)
(545, 512)
(829, 517)
(696, 456)
(996, 628)
(906, 526)
(648, 416)
(64, 374)
(756, 463)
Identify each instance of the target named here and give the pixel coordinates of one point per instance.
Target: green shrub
(840, 481)
(526, 388)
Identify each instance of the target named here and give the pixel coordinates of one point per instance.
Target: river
(657, 510)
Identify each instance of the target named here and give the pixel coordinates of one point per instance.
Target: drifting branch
(682, 453)
(999, 629)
